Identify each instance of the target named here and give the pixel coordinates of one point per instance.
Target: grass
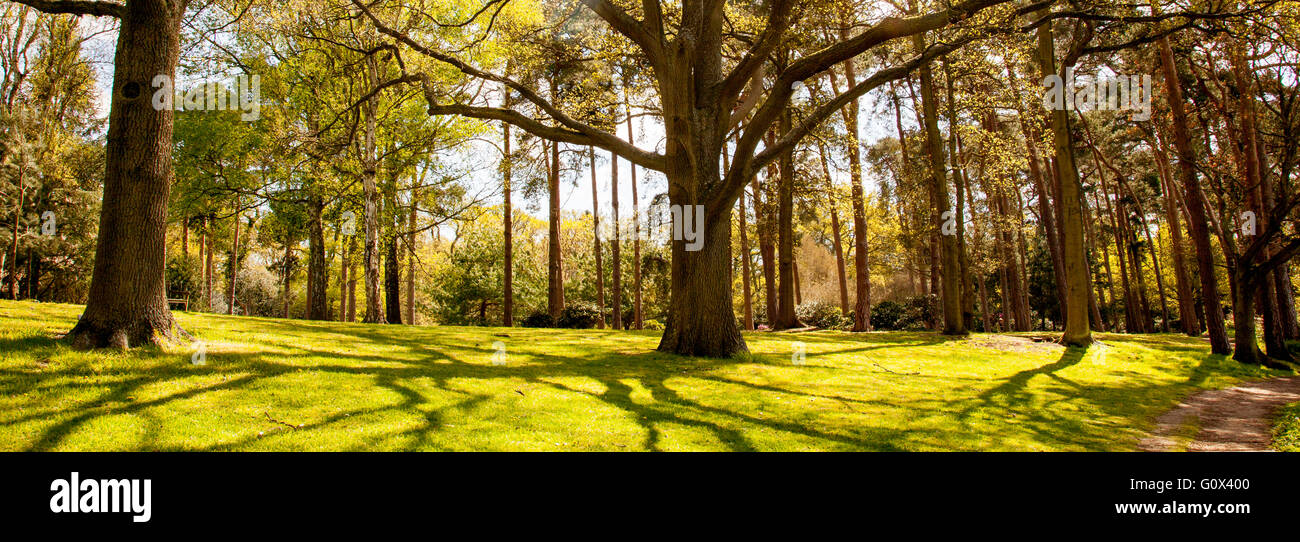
(290, 385)
(1286, 434)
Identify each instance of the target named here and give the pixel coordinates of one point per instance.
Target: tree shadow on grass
(687, 392)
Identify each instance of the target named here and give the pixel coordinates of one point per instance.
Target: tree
(698, 98)
(127, 304)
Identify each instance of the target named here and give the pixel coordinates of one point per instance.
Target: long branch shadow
(459, 356)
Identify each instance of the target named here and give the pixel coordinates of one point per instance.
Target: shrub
(539, 318)
(888, 315)
(922, 310)
(822, 315)
(580, 315)
(652, 325)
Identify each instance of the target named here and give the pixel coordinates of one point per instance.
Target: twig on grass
(886, 369)
(286, 424)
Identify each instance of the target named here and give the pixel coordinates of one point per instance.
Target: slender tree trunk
(1046, 213)
(638, 318)
(412, 240)
(374, 314)
(959, 199)
(555, 269)
(1077, 329)
(344, 256)
(13, 248)
(953, 319)
(785, 317)
(595, 236)
(1195, 200)
(127, 302)
(352, 279)
(861, 250)
(318, 303)
(507, 216)
(1188, 322)
(766, 251)
(288, 253)
(746, 272)
(836, 235)
(392, 263)
(207, 267)
(234, 261)
(616, 245)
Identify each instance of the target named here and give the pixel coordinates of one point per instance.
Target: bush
(652, 325)
(922, 310)
(888, 315)
(579, 316)
(822, 315)
(538, 318)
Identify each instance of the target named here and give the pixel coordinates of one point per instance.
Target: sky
(877, 122)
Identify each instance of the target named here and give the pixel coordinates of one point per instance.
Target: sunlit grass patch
(272, 384)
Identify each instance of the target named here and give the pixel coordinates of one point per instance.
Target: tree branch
(96, 8)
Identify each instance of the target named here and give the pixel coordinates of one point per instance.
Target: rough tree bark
(127, 303)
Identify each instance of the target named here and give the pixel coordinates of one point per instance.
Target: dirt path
(1236, 419)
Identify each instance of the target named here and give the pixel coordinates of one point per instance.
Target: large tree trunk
(701, 320)
(1196, 216)
(1077, 332)
(127, 303)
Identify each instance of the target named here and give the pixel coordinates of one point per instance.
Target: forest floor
(269, 384)
(1236, 419)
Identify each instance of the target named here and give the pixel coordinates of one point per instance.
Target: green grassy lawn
(289, 385)
(1286, 435)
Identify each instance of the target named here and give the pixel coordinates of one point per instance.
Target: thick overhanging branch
(97, 8)
(649, 40)
(737, 177)
(778, 19)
